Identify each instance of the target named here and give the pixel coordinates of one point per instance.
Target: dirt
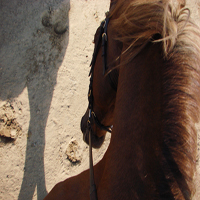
(45, 52)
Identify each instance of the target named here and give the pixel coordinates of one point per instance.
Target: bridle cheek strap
(104, 44)
(92, 116)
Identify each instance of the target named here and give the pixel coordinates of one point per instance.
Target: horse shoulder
(76, 187)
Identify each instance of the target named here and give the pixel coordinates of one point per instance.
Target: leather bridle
(92, 116)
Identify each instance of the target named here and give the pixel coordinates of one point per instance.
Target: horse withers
(152, 57)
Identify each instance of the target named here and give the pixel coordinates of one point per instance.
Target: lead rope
(93, 190)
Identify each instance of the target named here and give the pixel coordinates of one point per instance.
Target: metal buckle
(104, 37)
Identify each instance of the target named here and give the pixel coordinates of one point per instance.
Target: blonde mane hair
(138, 22)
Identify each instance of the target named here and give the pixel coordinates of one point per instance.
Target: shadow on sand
(34, 38)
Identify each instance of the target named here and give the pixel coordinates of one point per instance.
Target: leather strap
(93, 190)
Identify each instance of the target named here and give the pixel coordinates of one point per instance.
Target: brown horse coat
(152, 153)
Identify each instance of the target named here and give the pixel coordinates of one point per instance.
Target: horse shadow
(34, 38)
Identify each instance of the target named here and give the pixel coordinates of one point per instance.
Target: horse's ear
(112, 3)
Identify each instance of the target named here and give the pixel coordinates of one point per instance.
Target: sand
(45, 52)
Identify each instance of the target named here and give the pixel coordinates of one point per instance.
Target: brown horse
(153, 49)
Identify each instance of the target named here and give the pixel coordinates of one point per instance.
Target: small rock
(60, 28)
(5, 132)
(72, 152)
(13, 133)
(46, 19)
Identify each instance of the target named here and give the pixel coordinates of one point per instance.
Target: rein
(92, 116)
(113, 83)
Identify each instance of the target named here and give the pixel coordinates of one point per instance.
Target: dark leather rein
(92, 116)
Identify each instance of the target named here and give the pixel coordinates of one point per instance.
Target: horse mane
(142, 20)
(138, 22)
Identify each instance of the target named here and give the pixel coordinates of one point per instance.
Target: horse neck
(138, 160)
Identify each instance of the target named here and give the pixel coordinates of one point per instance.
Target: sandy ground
(44, 83)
